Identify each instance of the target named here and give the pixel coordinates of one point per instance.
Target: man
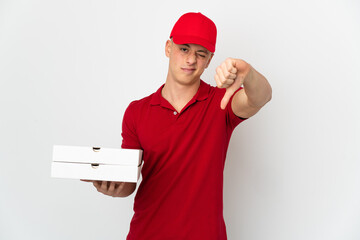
(184, 129)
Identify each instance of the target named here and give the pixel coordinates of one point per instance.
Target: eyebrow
(203, 51)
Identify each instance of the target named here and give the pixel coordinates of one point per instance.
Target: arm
(232, 74)
(114, 189)
(130, 140)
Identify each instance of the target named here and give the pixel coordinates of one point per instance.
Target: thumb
(226, 98)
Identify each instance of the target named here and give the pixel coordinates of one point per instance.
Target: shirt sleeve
(232, 119)
(129, 135)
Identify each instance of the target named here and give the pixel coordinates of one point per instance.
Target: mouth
(188, 70)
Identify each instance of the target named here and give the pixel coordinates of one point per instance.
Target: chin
(189, 81)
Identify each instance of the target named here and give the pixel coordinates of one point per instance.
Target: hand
(231, 75)
(113, 189)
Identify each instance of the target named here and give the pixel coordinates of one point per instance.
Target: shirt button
(175, 113)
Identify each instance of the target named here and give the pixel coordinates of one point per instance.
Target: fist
(230, 75)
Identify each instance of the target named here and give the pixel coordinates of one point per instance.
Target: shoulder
(140, 103)
(215, 94)
(208, 90)
(134, 112)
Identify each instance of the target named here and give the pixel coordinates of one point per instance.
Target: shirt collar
(201, 94)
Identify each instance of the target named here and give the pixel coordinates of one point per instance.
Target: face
(186, 62)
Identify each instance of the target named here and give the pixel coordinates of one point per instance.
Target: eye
(183, 49)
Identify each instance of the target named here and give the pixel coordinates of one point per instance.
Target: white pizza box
(96, 163)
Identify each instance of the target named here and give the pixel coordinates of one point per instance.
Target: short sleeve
(129, 135)
(232, 119)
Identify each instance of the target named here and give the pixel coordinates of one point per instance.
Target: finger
(228, 71)
(229, 75)
(230, 65)
(104, 186)
(219, 84)
(229, 93)
(217, 80)
(226, 98)
(85, 180)
(111, 188)
(229, 82)
(222, 80)
(119, 188)
(220, 73)
(97, 184)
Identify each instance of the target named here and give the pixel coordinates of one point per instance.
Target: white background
(68, 70)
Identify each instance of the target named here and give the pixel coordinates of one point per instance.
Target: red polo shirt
(181, 193)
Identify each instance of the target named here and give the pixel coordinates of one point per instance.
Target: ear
(211, 56)
(168, 48)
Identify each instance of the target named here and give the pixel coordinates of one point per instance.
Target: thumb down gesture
(231, 75)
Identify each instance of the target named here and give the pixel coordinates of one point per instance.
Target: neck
(177, 94)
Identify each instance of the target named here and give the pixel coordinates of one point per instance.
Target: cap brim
(193, 40)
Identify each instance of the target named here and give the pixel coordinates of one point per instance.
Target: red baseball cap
(195, 28)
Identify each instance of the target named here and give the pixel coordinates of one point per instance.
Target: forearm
(257, 89)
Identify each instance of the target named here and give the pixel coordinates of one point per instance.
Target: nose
(191, 58)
